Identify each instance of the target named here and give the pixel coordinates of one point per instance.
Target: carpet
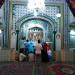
(61, 69)
(25, 68)
(14, 68)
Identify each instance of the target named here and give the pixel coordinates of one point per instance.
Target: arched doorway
(72, 36)
(40, 27)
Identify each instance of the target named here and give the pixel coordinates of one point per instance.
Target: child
(49, 52)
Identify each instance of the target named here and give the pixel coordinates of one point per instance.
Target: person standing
(31, 50)
(26, 47)
(49, 52)
(38, 48)
(44, 52)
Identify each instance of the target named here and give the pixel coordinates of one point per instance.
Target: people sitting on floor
(22, 55)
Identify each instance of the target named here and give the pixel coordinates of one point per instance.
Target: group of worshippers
(36, 51)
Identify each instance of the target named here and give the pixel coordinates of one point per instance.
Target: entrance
(35, 29)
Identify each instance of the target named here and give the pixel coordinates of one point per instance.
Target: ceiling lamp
(58, 15)
(72, 32)
(36, 6)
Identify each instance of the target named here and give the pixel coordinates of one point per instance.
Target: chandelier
(36, 6)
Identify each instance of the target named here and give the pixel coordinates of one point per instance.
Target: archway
(42, 23)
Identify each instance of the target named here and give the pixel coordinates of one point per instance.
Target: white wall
(13, 40)
(0, 40)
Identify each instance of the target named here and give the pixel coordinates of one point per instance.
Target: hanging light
(36, 6)
(72, 32)
(58, 15)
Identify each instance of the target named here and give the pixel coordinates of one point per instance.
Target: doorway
(35, 29)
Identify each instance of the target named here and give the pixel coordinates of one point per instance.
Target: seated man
(22, 57)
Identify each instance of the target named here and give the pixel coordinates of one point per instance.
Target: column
(17, 40)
